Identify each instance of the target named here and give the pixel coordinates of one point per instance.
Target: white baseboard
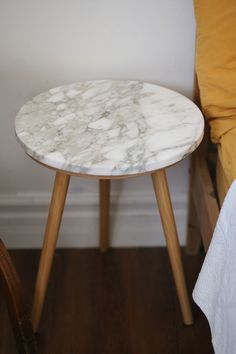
(135, 220)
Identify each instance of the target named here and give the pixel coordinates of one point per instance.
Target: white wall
(50, 42)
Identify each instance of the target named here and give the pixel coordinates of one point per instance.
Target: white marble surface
(109, 128)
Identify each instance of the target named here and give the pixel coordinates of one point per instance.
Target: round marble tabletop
(109, 128)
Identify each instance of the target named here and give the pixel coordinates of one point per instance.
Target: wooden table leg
(168, 223)
(50, 239)
(104, 196)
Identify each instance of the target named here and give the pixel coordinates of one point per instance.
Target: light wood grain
(104, 202)
(203, 205)
(168, 222)
(206, 206)
(194, 237)
(50, 239)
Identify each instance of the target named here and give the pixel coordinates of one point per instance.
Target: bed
(213, 166)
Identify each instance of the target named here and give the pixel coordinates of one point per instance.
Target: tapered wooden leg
(104, 195)
(168, 223)
(50, 239)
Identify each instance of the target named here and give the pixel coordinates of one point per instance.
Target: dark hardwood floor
(122, 302)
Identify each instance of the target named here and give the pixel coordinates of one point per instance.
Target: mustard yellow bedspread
(216, 73)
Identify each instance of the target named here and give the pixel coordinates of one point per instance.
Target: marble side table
(109, 129)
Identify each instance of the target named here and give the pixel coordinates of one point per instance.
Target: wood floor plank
(123, 301)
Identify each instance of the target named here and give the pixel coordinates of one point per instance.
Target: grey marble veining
(109, 128)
